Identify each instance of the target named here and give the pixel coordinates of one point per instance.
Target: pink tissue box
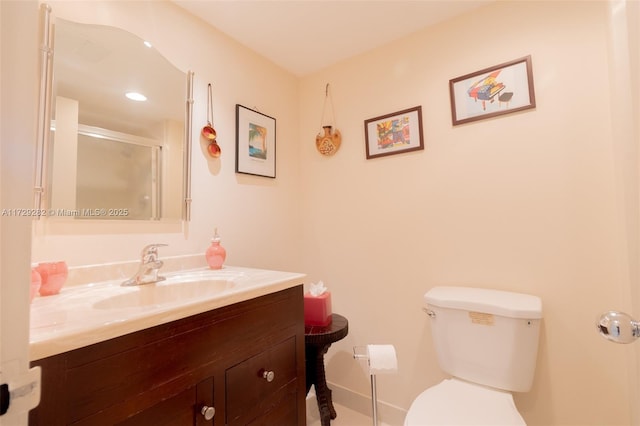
(317, 309)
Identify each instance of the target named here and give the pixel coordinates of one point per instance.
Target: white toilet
(488, 341)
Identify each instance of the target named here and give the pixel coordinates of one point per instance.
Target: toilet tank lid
(497, 302)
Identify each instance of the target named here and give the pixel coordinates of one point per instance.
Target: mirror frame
(44, 120)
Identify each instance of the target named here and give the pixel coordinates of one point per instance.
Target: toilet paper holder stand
(360, 352)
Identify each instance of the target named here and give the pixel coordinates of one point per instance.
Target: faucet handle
(151, 249)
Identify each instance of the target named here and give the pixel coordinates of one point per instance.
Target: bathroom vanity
(238, 361)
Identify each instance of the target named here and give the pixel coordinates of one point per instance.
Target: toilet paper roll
(382, 359)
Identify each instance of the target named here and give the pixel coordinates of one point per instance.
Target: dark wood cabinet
(245, 360)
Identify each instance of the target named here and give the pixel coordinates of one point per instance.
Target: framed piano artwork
(494, 91)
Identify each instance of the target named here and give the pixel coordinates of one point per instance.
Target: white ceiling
(304, 36)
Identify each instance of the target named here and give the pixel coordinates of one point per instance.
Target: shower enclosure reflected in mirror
(111, 169)
(120, 128)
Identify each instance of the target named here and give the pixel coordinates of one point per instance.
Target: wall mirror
(120, 128)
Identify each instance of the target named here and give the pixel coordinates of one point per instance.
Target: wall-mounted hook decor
(208, 132)
(328, 142)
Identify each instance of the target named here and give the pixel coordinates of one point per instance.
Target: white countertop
(86, 314)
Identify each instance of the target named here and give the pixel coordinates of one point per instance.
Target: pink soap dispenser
(216, 254)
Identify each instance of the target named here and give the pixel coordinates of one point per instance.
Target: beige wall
(524, 202)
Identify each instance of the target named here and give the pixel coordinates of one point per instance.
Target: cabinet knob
(268, 375)
(208, 412)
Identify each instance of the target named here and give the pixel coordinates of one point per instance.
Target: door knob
(208, 412)
(618, 327)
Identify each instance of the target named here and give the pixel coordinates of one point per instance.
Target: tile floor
(346, 416)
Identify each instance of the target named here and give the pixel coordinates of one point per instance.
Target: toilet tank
(484, 336)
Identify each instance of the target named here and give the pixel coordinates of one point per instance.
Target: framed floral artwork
(394, 133)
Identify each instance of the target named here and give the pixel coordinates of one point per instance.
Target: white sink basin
(177, 288)
(164, 292)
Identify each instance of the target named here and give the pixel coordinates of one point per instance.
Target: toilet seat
(455, 402)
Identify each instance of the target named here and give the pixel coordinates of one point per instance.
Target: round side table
(317, 340)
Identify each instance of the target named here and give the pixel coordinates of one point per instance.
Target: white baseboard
(388, 414)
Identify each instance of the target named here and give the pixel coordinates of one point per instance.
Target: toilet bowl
(455, 402)
(487, 341)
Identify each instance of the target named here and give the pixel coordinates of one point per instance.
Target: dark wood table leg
(317, 341)
(316, 376)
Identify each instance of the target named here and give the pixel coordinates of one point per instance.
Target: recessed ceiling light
(148, 44)
(135, 96)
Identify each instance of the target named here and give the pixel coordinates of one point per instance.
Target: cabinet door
(204, 410)
(263, 387)
(284, 413)
(182, 409)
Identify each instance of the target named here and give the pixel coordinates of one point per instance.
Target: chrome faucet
(149, 267)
